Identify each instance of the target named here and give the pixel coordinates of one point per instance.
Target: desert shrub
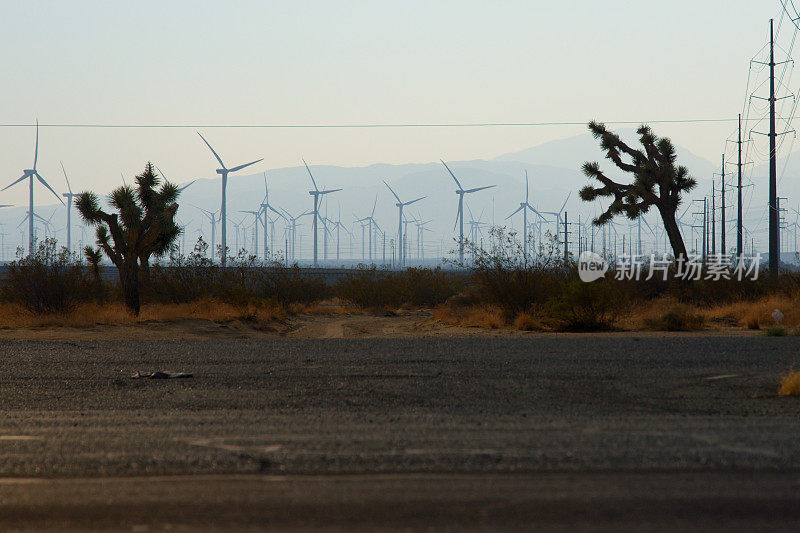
(287, 285)
(586, 307)
(429, 287)
(49, 281)
(678, 318)
(242, 281)
(371, 288)
(505, 277)
(380, 289)
(184, 279)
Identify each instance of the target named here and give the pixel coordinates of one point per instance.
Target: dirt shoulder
(402, 324)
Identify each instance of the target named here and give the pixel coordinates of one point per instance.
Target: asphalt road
(588, 432)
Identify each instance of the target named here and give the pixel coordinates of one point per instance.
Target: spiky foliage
(143, 226)
(657, 180)
(93, 257)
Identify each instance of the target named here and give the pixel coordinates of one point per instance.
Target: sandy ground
(403, 324)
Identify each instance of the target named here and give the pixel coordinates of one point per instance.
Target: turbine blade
(564, 204)
(520, 208)
(476, 189)
(374, 205)
(36, 152)
(394, 193)
(526, 185)
(328, 191)
(17, 181)
(181, 189)
(312, 175)
(529, 206)
(455, 225)
(451, 173)
(212, 150)
(417, 200)
(41, 180)
(277, 212)
(161, 172)
(240, 167)
(65, 177)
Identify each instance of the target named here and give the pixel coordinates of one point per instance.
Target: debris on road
(161, 375)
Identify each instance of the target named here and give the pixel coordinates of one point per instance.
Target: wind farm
(495, 266)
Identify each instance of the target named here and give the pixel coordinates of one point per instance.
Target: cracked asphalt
(277, 432)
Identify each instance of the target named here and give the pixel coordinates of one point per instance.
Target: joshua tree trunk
(674, 234)
(129, 279)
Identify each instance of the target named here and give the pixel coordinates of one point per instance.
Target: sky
(356, 62)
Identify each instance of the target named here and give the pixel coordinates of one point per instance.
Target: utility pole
(639, 243)
(705, 228)
(739, 249)
(566, 237)
(722, 199)
(773, 181)
(713, 219)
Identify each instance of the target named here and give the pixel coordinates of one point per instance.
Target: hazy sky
(309, 62)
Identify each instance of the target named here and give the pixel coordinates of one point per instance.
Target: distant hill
(553, 170)
(572, 152)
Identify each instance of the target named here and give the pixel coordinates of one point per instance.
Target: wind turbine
(265, 205)
(400, 205)
(460, 216)
(29, 174)
(316, 193)
(558, 217)
(69, 196)
(475, 225)
(293, 228)
(370, 221)
(338, 225)
(257, 215)
(421, 229)
(213, 218)
(224, 171)
(524, 207)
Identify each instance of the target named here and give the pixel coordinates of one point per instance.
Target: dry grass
(332, 307)
(93, 314)
(790, 384)
(470, 316)
(756, 314)
(747, 314)
(528, 322)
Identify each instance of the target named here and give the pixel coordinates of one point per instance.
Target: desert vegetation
(500, 288)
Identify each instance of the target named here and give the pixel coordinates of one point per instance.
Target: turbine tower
(213, 218)
(69, 196)
(316, 193)
(400, 205)
(460, 216)
(29, 175)
(224, 171)
(524, 207)
(267, 207)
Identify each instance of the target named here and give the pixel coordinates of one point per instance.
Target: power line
(367, 125)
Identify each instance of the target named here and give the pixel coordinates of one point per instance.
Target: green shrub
(49, 281)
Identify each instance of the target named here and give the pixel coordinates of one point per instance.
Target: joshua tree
(144, 226)
(657, 181)
(94, 256)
